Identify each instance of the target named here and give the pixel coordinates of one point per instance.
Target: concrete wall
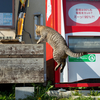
(35, 6)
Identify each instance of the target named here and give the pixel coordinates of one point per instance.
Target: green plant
(5, 96)
(81, 88)
(41, 92)
(84, 98)
(8, 95)
(94, 93)
(76, 93)
(65, 99)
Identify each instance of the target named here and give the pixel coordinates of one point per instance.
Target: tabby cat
(57, 42)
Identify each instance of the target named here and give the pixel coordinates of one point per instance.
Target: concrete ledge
(23, 92)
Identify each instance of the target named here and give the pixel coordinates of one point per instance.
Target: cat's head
(37, 30)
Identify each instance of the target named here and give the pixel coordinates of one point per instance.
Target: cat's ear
(36, 25)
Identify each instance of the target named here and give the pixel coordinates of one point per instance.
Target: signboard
(5, 19)
(83, 13)
(7, 13)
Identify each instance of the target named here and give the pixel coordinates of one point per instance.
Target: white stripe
(64, 74)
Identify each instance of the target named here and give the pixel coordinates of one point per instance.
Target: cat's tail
(72, 54)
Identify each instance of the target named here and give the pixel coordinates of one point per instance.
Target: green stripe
(85, 58)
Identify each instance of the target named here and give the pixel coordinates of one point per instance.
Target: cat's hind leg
(63, 65)
(58, 65)
(57, 59)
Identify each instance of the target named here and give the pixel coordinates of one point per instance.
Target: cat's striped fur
(57, 42)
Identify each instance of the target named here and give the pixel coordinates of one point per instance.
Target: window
(7, 13)
(84, 44)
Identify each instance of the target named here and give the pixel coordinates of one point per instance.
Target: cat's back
(51, 32)
(53, 37)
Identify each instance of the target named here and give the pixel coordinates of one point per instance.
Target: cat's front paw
(38, 42)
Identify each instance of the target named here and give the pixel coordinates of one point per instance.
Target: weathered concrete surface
(23, 92)
(59, 93)
(25, 69)
(12, 49)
